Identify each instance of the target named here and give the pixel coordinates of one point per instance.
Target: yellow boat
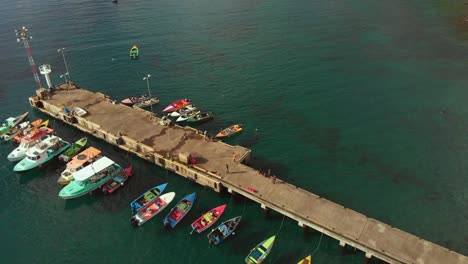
(134, 52)
(307, 260)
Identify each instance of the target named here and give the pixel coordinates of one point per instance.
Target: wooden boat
(225, 229)
(152, 209)
(232, 130)
(208, 219)
(133, 100)
(187, 109)
(134, 52)
(147, 197)
(28, 142)
(90, 178)
(79, 111)
(118, 181)
(146, 103)
(24, 128)
(179, 211)
(200, 118)
(186, 116)
(73, 150)
(176, 105)
(33, 129)
(306, 260)
(78, 162)
(260, 252)
(11, 124)
(41, 153)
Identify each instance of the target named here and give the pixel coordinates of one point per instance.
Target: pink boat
(133, 100)
(177, 105)
(208, 219)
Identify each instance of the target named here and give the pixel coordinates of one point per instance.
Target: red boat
(177, 105)
(37, 130)
(208, 219)
(119, 180)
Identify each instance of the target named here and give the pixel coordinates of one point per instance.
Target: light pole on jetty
(66, 66)
(23, 35)
(149, 93)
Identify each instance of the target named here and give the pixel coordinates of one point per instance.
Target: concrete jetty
(222, 167)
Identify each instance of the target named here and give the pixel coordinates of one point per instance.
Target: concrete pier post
(343, 248)
(304, 227)
(266, 210)
(367, 258)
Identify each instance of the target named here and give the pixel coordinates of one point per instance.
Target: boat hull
(25, 164)
(225, 229)
(177, 212)
(70, 192)
(152, 209)
(208, 219)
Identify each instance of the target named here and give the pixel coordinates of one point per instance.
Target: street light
(65, 62)
(64, 76)
(149, 93)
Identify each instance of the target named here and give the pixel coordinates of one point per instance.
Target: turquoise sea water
(361, 102)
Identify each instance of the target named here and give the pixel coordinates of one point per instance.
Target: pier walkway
(171, 146)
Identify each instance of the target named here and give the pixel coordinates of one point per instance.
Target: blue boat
(179, 211)
(147, 197)
(217, 235)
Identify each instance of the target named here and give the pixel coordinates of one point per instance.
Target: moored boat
(176, 105)
(78, 162)
(11, 123)
(79, 111)
(306, 260)
(146, 103)
(232, 130)
(117, 181)
(147, 197)
(179, 211)
(90, 178)
(186, 116)
(130, 101)
(134, 52)
(152, 209)
(187, 109)
(208, 219)
(28, 142)
(33, 128)
(260, 252)
(73, 150)
(200, 118)
(225, 229)
(41, 153)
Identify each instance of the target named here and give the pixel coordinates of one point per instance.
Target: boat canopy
(44, 145)
(93, 168)
(83, 157)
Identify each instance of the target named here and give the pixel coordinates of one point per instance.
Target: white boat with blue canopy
(90, 178)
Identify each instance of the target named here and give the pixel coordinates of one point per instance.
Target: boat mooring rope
(318, 245)
(281, 226)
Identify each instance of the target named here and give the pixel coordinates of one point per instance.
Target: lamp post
(147, 85)
(66, 66)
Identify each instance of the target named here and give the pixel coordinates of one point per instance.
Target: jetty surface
(174, 148)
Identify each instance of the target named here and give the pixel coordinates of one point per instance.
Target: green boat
(41, 153)
(134, 52)
(200, 118)
(259, 253)
(73, 150)
(90, 178)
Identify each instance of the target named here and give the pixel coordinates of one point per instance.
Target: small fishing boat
(232, 130)
(176, 105)
(90, 178)
(134, 52)
(78, 162)
(79, 111)
(147, 197)
(186, 116)
(200, 118)
(179, 211)
(217, 235)
(117, 181)
(24, 128)
(28, 142)
(152, 209)
(208, 219)
(41, 153)
(306, 260)
(182, 111)
(260, 252)
(11, 123)
(146, 103)
(133, 100)
(73, 150)
(33, 128)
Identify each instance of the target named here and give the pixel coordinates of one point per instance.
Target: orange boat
(32, 130)
(79, 161)
(232, 130)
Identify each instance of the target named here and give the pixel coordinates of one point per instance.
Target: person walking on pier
(227, 168)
